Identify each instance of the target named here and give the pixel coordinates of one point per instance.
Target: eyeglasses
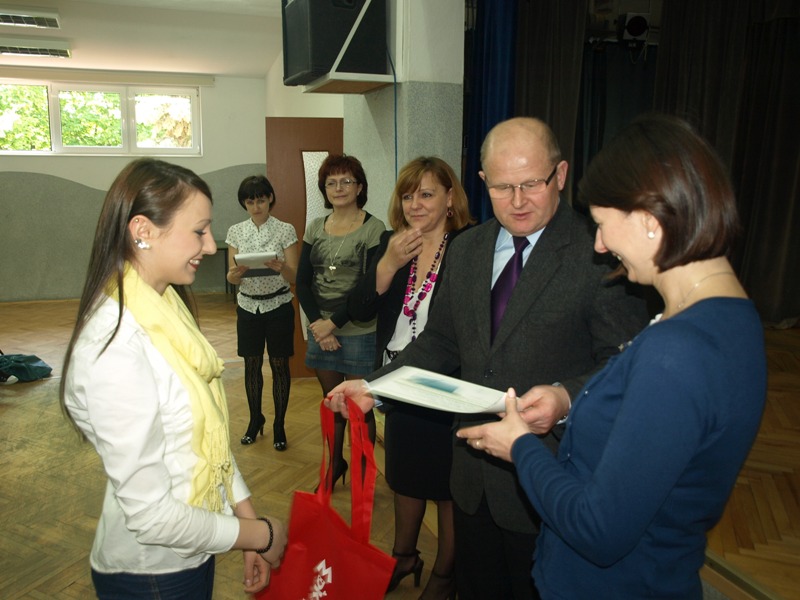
(504, 191)
(345, 184)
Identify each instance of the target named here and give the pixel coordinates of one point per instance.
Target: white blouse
(133, 408)
(403, 329)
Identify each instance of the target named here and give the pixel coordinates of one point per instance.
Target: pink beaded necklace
(424, 290)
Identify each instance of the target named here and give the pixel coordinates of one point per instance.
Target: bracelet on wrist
(266, 548)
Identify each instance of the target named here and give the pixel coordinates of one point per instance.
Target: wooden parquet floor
(51, 485)
(758, 537)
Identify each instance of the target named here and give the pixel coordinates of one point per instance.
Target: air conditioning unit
(34, 47)
(24, 17)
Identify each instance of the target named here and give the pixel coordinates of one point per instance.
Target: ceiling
(238, 38)
(263, 8)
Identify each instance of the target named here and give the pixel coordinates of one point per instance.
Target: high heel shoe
(280, 438)
(340, 472)
(398, 574)
(252, 432)
(440, 587)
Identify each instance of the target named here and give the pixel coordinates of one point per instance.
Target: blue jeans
(192, 584)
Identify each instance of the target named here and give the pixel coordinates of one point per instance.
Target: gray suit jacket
(563, 321)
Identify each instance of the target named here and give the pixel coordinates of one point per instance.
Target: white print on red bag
(324, 575)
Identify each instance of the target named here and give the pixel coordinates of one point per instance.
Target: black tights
(328, 380)
(254, 384)
(408, 514)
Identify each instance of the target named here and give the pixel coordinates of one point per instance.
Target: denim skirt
(355, 357)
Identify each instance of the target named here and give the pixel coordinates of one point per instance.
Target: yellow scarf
(175, 334)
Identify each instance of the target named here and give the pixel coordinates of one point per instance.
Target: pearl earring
(141, 244)
(651, 234)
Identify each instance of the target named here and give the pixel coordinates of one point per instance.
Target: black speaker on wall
(315, 31)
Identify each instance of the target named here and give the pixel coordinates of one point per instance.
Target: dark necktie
(504, 286)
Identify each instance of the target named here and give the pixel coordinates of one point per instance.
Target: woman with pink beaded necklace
(428, 208)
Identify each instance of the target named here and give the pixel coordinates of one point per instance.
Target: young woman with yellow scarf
(144, 386)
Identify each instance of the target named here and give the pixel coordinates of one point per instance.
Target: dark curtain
(699, 74)
(766, 167)
(731, 69)
(617, 84)
(489, 90)
(550, 39)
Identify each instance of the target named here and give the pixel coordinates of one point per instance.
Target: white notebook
(255, 260)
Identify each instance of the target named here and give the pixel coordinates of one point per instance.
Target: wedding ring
(477, 443)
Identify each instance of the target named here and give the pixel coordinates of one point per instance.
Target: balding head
(520, 130)
(524, 173)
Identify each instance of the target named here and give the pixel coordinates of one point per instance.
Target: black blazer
(563, 321)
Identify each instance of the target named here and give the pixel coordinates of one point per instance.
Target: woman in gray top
(336, 251)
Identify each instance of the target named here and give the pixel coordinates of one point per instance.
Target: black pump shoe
(398, 575)
(252, 432)
(440, 587)
(280, 438)
(340, 472)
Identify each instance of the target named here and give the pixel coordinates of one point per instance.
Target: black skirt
(419, 451)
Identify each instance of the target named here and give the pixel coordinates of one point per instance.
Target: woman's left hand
(276, 264)
(256, 572)
(496, 439)
(329, 343)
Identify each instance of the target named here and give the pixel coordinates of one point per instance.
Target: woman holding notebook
(264, 311)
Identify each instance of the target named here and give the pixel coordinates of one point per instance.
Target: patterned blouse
(272, 236)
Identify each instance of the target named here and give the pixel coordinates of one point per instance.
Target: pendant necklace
(332, 260)
(697, 285)
(424, 290)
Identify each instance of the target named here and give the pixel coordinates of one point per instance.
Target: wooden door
(287, 139)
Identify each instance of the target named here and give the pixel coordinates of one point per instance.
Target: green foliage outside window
(163, 121)
(24, 118)
(91, 119)
(95, 119)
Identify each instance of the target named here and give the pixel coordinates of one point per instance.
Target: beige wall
(49, 204)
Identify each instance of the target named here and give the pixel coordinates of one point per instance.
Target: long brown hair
(152, 188)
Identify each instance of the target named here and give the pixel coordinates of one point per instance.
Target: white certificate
(432, 390)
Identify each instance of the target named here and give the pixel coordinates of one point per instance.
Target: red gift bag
(325, 558)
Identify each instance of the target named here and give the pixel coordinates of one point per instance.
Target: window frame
(127, 95)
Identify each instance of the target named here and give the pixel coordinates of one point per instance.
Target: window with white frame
(50, 118)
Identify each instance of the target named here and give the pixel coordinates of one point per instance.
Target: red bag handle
(363, 468)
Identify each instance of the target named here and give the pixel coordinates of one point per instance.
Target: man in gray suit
(563, 320)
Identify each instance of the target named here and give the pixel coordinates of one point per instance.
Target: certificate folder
(440, 392)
